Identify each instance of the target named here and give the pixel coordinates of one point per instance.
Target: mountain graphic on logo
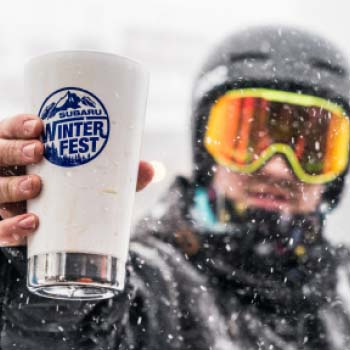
(69, 100)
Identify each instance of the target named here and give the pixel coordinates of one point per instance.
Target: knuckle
(16, 189)
(9, 151)
(7, 193)
(9, 126)
(10, 189)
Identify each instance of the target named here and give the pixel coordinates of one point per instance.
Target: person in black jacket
(235, 257)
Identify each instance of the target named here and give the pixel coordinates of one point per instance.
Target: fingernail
(29, 150)
(29, 126)
(27, 223)
(26, 185)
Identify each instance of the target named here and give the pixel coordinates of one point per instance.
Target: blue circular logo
(76, 126)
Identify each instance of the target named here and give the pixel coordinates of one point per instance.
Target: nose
(277, 167)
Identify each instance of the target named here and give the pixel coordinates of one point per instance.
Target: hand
(20, 146)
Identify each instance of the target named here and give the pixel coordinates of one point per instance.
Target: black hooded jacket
(191, 290)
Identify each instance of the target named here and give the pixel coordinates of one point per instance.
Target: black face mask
(219, 215)
(261, 252)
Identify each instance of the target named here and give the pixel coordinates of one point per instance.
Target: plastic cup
(93, 106)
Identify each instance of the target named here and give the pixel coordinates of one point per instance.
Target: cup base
(75, 276)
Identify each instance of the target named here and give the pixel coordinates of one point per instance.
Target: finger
(19, 188)
(8, 210)
(144, 176)
(22, 126)
(13, 231)
(18, 152)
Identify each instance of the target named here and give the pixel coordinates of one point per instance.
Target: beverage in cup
(92, 105)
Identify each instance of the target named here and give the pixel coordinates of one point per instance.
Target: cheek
(232, 185)
(234, 192)
(310, 196)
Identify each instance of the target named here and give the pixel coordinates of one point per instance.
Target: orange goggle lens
(247, 127)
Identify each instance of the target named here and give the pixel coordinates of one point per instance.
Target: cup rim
(62, 53)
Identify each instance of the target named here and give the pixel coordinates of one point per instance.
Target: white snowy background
(171, 37)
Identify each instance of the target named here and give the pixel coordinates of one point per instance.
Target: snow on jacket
(296, 300)
(174, 299)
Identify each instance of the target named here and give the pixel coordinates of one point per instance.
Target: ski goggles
(249, 126)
